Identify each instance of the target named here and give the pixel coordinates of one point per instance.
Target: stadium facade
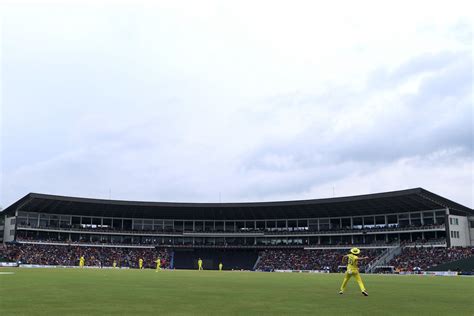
(414, 216)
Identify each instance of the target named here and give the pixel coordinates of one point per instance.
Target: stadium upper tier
(410, 200)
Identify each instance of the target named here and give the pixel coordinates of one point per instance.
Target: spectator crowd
(94, 256)
(320, 259)
(423, 258)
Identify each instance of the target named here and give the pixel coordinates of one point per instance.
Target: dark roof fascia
(223, 205)
(325, 201)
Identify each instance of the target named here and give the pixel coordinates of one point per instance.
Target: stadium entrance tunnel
(232, 259)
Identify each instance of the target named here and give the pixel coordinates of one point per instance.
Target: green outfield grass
(134, 292)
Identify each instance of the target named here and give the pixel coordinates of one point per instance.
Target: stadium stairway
(384, 258)
(256, 262)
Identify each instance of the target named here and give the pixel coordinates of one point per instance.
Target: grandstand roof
(410, 200)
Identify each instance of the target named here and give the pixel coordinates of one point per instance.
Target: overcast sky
(246, 100)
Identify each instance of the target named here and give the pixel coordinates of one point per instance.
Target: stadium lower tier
(318, 259)
(94, 256)
(423, 258)
(410, 258)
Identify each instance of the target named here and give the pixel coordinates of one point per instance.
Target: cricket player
(140, 263)
(158, 264)
(353, 270)
(200, 264)
(220, 266)
(82, 261)
(114, 264)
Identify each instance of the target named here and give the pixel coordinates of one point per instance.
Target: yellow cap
(355, 251)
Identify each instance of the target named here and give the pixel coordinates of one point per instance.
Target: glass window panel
(168, 226)
(392, 219)
(292, 224)
(158, 225)
(270, 225)
(229, 226)
(209, 226)
(44, 220)
(440, 220)
(53, 220)
(403, 220)
(96, 221)
(428, 221)
(199, 226)
(240, 225)
(357, 222)
(106, 222)
(178, 226)
(117, 223)
(346, 223)
(86, 221)
(369, 221)
(335, 223)
(302, 223)
(75, 221)
(416, 221)
(219, 226)
(250, 225)
(127, 224)
(380, 220)
(147, 224)
(188, 226)
(137, 224)
(324, 224)
(22, 220)
(313, 224)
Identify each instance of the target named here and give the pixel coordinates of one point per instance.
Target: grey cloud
(438, 117)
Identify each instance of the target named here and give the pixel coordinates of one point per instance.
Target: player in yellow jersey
(353, 270)
(158, 264)
(140, 263)
(200, 264)
(114, 264)
(220, 266)
(82, 261)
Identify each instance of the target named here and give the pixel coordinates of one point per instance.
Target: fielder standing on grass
(353, 270)
(158, 264)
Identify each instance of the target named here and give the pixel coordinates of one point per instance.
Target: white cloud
(256, 100)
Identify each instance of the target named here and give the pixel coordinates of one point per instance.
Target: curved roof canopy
(409, 200)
